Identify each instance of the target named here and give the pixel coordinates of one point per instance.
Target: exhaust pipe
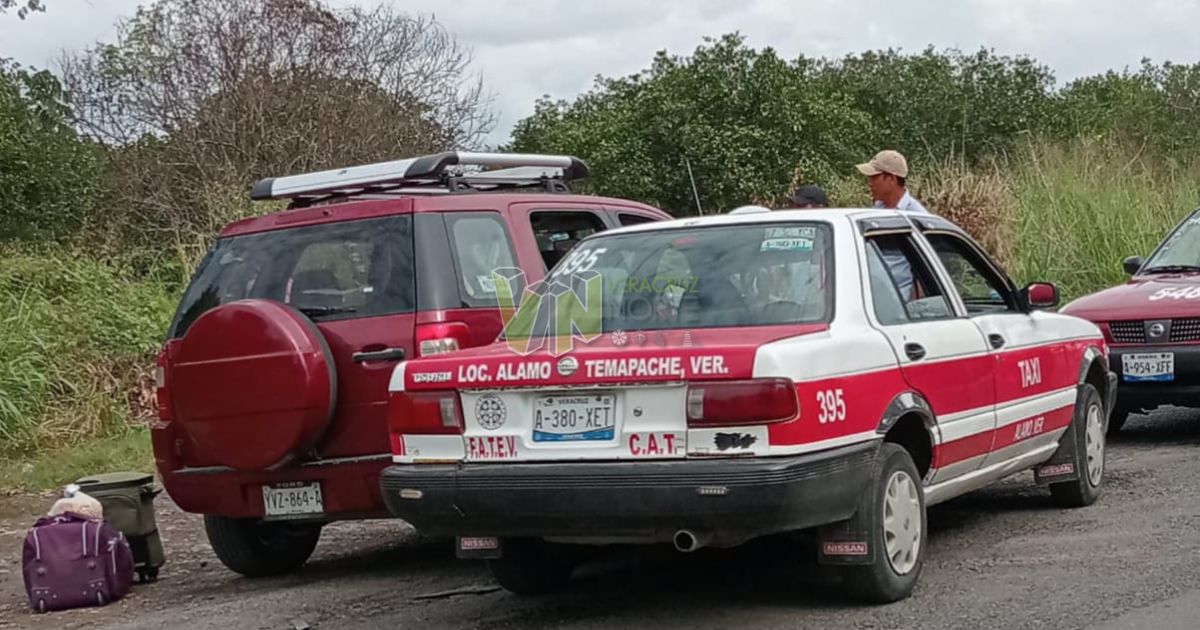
(687, 541)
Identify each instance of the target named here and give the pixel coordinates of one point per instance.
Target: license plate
(574, 418)
(291, 500)
(1157, 366)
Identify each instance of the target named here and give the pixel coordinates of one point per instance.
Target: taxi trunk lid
(618, 398)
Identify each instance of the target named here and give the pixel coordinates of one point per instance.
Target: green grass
(56, 467)
(1081, 209)
(77, 340)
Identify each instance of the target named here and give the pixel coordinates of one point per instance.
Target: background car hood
(1155, 297)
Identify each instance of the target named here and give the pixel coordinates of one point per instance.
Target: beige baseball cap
(887, 161)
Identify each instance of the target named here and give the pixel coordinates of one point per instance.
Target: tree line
(749, 123)
(149, 143)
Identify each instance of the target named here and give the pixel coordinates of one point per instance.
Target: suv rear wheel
(532, 567)
(257, 549)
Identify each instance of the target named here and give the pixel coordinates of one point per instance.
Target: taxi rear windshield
(746, 275)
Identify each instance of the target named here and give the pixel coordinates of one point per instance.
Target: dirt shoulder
(1004, 557)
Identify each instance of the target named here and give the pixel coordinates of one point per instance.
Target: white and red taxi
(825, 372)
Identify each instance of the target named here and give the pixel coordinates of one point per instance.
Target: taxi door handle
(915, 351)
(997, 341)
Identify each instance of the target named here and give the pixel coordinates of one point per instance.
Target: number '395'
(832, 406)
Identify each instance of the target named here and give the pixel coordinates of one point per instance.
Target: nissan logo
(1157, 329)
(567, 366)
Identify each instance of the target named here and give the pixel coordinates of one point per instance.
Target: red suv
(273, 382)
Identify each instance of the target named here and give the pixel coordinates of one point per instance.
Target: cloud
(527, 48)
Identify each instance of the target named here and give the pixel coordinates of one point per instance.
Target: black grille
(1187, 329)
(1130, 331)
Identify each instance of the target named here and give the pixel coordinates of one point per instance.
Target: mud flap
(1064, 464)
(845, 542)
(479, 547)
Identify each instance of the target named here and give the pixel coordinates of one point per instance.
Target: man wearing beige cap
(887, 173)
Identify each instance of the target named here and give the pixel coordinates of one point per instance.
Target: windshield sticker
(486, 283)
(788, 239)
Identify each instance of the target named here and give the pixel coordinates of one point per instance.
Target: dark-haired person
(809, 197)
(887, 175)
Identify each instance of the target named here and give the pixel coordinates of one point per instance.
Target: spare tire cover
(253, 384)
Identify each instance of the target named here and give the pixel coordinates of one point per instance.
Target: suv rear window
(329, 271)
(745, 275)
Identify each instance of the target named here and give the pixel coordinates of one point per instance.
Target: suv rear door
(355, 280)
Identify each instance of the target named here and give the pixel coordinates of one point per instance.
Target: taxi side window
(903, 288)
(980, 288)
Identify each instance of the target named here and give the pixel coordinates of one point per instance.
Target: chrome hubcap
(1095, 445)
(902, 522)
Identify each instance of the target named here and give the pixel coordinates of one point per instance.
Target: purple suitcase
(71, 561)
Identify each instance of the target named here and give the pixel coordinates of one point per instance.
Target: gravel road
(1003, 557)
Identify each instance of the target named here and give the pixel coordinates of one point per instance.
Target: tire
(256, 549)
(532, 567)
(1117, 420)
(1087, 429)
(896, 491)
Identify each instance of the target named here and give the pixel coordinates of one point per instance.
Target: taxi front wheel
(532, 566)
(893, 505)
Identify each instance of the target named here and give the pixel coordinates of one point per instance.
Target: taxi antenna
(695, 192)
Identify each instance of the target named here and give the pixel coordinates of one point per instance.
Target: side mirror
(1041, 295)
(1132, 264)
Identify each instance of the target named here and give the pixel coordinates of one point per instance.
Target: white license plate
(1156, 366)
(575, 418)
(293, 499)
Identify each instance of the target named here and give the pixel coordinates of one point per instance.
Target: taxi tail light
(732, 403)
(425, 413)
(442, 337)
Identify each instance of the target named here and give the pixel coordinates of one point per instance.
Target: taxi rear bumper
(730, 499)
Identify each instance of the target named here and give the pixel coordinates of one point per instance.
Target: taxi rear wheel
(532, 566)
(894, 508)
(1087, 429)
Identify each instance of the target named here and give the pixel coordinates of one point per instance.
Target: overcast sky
(528, 48)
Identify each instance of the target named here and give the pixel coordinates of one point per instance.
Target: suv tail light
(442, 337)
(426, 413)
(162, 393)
(731, 403)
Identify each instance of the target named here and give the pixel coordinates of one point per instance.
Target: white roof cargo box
(440, 172)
